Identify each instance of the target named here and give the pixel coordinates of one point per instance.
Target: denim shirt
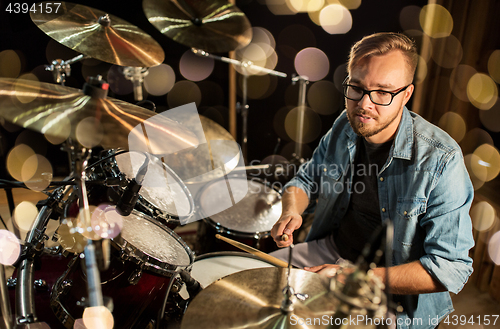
(424, 190)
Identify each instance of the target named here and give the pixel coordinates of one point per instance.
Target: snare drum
(162, 196)
(249, 221)
(144, 257)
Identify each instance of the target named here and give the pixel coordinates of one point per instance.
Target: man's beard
(366, 130)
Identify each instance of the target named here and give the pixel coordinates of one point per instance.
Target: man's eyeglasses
(379, 97)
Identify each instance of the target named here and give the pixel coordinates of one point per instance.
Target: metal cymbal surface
(214, 26)
(252, 299)
(99, 35)
(60, 111)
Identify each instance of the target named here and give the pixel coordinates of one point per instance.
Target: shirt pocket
(407, 225)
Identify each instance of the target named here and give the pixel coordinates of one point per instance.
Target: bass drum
(162, 196)
(249, 219)
(144, 257)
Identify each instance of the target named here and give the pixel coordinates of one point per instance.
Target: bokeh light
(477, 182)
(57, 133)
(252, 57)
(184, 92)
(280, 7)
(447, 52)
(494, 248)
(10, 248)
(79, 324)
(494, 65)
(89, 132)
(37, 172)
(491, 118)
(33, 140)
(421, 72)
(306, 5)
(483, 215)
(16, 159)
(487, 164)
(409, 18)
(351, 4)
(118, 83)
(436, 21)
(69, 238)
(279, 122)
(338, 77)
(259, 86)
(81, 227)
(482, 91)
(459, 79)
(323, 97)
(27, 88)
(106, 221)
(475, 138)
(311, 125)
(97, 317)
(454, 125)
(24, 215)
(262, 35)
(10, 64)
(312, 63)
(160, 80)
(425, 48)
(194, 67)
(335, 19)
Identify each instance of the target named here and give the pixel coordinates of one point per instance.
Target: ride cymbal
(99, 35)
(214, 26)
(253, 298)
(64, 112)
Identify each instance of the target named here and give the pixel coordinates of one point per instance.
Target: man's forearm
(294, 200)
(409, 279)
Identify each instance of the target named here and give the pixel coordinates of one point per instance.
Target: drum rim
(148, 262)
(230, 253)
(221, 228)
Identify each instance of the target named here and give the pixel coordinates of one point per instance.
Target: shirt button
(324, 169)
(405, 213)
(381, 179)
(383, 209)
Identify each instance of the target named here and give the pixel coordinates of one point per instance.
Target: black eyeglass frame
(368, 92)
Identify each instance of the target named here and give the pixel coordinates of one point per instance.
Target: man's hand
(287, 223)
(330, 270)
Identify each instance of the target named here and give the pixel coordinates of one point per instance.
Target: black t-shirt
(362, 218)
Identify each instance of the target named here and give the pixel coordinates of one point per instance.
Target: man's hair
(381, 43)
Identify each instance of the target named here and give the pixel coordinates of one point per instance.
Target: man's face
(378, 123)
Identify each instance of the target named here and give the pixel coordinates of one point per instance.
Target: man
(421, 186)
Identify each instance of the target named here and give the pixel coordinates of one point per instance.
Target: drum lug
(41, 285)
(134, 278)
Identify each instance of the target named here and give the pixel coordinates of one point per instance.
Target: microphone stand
(303, 81)
(136, 75)
(243, 107)
(61, 69)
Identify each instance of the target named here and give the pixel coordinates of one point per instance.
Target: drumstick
(253, 251)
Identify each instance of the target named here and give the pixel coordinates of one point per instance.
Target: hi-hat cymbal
(252, 299)
(220, 152)
(64, 112)
(214, 26)
(97, 34)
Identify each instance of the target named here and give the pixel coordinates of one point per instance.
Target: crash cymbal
(97, 34)
(63, 112)
(218, 150)
(214, 26)
(253, 298)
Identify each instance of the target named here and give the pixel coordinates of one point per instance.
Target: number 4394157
(24, 8)
(484, 320)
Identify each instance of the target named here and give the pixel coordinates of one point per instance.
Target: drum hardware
(242, 107)
(256, 252)
(136, 75)
(61, 69)
(216, 26)
(130, 195)
(99, 35)
(5, 309)
(303, 81)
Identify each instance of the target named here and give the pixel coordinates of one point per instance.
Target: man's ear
(408, 92)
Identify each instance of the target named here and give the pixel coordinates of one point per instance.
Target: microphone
(192, 285)
(136, 75)
(131, 194)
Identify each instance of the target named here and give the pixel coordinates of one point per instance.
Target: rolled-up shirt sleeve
(448, 226)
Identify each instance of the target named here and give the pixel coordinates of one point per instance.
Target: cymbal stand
(288, 292)
(243, 107)
(61, 69)
(303, 81)
(136, 75)
(6, 313)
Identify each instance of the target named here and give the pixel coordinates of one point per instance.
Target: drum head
(147, 242)
(161, 187)
(256, 212)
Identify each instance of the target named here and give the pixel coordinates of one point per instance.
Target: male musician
(378, 163)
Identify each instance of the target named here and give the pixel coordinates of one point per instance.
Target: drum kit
(116, 246)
